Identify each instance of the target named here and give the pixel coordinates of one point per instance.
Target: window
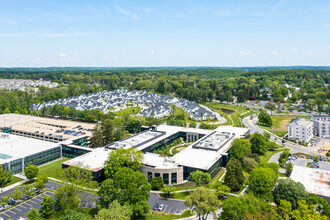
(149, 176)
(165, 178)
(157, 174)
(173, 178)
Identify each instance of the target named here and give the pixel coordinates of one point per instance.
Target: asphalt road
(171, 205)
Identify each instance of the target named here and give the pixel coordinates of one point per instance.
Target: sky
(140, 33)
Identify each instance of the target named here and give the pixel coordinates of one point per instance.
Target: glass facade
(16, 166)
(72, 152)
(173, 178)
(43, 157)
(157, 174)
(166, 141)
(149, 176)
(165, 178)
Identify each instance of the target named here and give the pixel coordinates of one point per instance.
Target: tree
(4, 200)
(167, 191)
(289, 169)
(289, 190)
(66, 112)
(229, 96)
(69, 194)
(122, 157)
(258, 144)
(17, 194)
(114, 212)
(157, 183)
(200, 177)
(6, 111)
(261, 182)
(203, 201)
(271, 106)
(193, 125)
(33, 214)
(5, 176)
(133, 183)
(310, 104)
(265, 119)
(249, 163)
(322, 205)
(222, 191)
(47, 205)
(239, 147)
(41, 181)
(70, 214)
(234, 178)
(28, 190)
(319, 104)
(107, 131)
(97, 137)
(31, 171)
(233, 208)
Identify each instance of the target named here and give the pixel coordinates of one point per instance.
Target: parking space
(170, 205)
(324, 165)
(301, 162)
(19, 211)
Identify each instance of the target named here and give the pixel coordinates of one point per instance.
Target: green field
(14, 179)
(164, 216)
(53, 169)
(233, 118)
(128, 111)
(269, 154)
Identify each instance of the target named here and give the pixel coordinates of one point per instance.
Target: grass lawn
(180, 195)
(281, 122)
(269, 154)
(88, 214)
(127, 111)
(237, 111)
(178, 149)
(14, 179)
(53, 169)
(162, 216)
(214, 182)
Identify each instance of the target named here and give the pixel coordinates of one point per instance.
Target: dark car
(155, 206)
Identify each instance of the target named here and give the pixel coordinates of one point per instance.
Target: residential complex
(321, 126)
(156, 105)
(300, 130)
(22, 84)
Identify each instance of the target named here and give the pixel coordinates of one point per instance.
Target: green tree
(271, 106)
(261, 182)
(133, 183)
(157, 183)
(130, 158)
(258, 144)
(114, 212)
(31, 171)
(193, 125)
(6, 111)
(66, 112)
(33, 214)
(289, 169)
(239, 147)
(70, 214)
(203, 201)
(47, 205)
(41, 181)
(17, 194)
(97, 137)
(233, 208)
(4, 200)
(319, 104)
(5, 176)
(28, 190)
(234, 178)
(249, 163)
(289, 190)
(322, 205)
(200, 177)
(265, 119)
(222, 191)
(107, 131)
(167, 191)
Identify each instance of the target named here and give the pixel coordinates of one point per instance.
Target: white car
(161, 207)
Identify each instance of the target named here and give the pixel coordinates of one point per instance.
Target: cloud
(179, 15)
(12, 35)
(128, 14)
(152, 51)
(8, 21)
(244, 53)
(274, 53)
(147, 10)
(294, 50)
(309, 52)
(62, 54)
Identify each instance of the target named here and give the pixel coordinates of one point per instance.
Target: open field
(128, 111)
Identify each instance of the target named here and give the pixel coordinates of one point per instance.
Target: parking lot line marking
(6, 214)
(39, 199)
(86, 205)
(17, 208)
(176, 210)
(28, 203)
(165, 208)
(170, 210)
(23, 206)
(11, 212)
(33, 202)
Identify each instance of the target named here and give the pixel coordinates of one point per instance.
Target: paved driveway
(301, 162)
(171, 205)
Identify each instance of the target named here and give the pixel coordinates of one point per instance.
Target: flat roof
(33, 124)
(314, 180)
(204, 158)
(155, 160)
(16, 147)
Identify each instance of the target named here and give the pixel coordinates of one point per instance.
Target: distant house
(300, 129)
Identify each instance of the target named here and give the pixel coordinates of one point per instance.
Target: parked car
(161, 207)
(1, 208)
(155, 206)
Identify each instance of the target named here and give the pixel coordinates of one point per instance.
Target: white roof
(19, 147)
(158, 162)
(315, 180)
(204, 158)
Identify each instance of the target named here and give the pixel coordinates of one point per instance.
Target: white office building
(300, 129)
(321, 126)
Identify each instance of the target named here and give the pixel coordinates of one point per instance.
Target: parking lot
(19, 211)
(170, 205)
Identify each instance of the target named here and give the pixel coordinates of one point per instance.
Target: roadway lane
(171, 205)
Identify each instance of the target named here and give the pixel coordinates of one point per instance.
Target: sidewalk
(14, 185)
